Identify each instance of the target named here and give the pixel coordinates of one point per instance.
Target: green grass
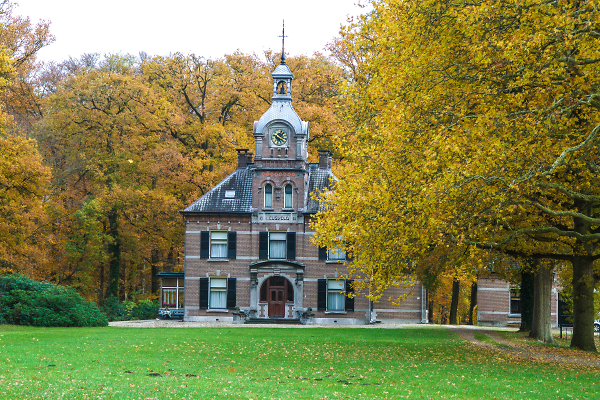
(270, 363)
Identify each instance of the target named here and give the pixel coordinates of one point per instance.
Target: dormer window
(230, 194)
(287, 201)
(268, 195)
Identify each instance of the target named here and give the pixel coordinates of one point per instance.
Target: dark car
(597, 325)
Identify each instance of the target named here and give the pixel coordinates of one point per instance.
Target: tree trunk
(454, 303)
(473, 303)
(541, 327)
(526, 299)
(154, 260)
(583, 304)
(430, 311)
(114, 250)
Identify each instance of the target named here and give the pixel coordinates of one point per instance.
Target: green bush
(145, 309)
(114, 310)
(24, 301)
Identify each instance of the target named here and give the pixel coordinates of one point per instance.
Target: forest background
(100, 153)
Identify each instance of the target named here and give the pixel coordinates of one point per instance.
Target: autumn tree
(23, 185)
(478, 123)
(22, 40)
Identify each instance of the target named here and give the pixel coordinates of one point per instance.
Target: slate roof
(215, 201)
(240, 181)
(319, 179)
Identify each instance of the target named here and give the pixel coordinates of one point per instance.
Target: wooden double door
(277, 291)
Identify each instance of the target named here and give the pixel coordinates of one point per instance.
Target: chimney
(324, 159)
(244, 158)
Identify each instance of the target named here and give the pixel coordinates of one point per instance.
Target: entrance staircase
(274, 321)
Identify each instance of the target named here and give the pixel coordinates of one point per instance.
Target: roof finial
(283, 44)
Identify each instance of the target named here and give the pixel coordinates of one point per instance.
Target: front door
(277, 291)
(276, 302)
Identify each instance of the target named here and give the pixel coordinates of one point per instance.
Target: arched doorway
(277, 292)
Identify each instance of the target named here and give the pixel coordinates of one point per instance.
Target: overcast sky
(209, 28)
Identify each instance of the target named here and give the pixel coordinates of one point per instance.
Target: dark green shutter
(231, 245)
(231, 293)
(349, 306)
(322, 294)
(263, 245)
(322, 253)
(204, 244)
(203, 293)
(291, 245)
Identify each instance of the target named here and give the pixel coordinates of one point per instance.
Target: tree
(22, 40)
(476, 122)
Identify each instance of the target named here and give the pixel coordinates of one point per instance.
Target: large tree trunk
(541, 327)
(454, 303)
(526, 299)
(583, 304)
(473, 303)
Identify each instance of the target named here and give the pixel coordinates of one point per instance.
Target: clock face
(279, 137)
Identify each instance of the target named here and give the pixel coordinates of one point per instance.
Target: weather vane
(283, 43)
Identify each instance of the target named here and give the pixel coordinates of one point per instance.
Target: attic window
(230, 194)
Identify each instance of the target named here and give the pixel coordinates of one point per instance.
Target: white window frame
(217, 293)
(288, 201)
(280, 237)
(172, 293)
(335, 296)
(268, 196)
(336, 255)
(218, 238)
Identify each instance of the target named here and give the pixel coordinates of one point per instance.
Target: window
(277, 245)
(336, 255)
(287, 203)
(172, 293)
(515, 301)
(217, 293)
(335, 298)
(332, 295)
(331, 254)
(268, 195)
(218, 245)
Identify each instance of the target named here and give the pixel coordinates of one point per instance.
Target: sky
(208, 28)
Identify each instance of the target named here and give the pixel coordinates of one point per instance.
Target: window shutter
(322, 253)
(322, 294)
(263, 245)
(204, 244)
(203, 293)
(349, 306)
(231, 293)
(231, 245)
(291, 245)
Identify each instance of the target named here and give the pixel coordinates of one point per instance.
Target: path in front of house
(527, 349)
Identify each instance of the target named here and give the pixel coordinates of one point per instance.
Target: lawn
(270, 363)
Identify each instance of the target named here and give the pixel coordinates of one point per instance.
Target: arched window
(287, 203)
(268, 195)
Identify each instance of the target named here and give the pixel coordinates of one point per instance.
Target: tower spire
(283, 43)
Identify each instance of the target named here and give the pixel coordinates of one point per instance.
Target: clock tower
(281, 169)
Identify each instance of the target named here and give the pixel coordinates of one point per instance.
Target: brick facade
(247, 241)
(494, 303)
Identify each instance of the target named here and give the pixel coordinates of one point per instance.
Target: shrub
(24, 301)
(144, 309)
(114, 310)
